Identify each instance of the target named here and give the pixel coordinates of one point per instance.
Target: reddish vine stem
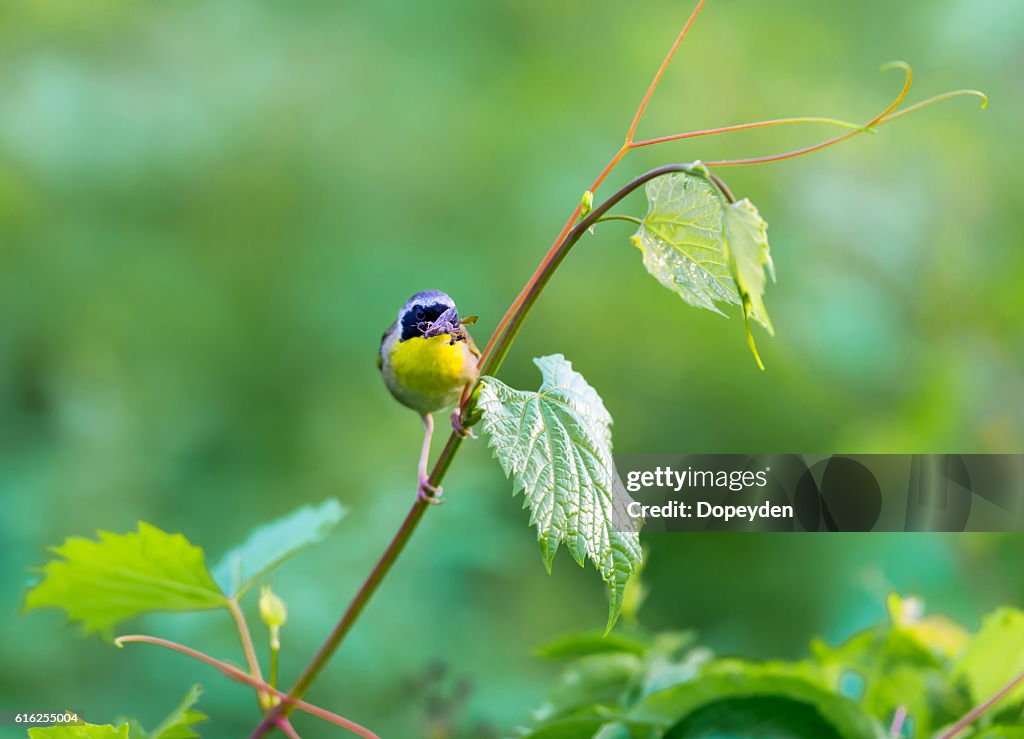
(907, 82)
(243, 677)
(486, 361)
(744, 127)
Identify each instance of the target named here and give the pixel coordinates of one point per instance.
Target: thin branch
(661, 71)
(531, 284)
(243, 677)
(981, 710)
(748, 126)
(286, 727)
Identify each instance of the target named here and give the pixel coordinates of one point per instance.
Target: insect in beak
(446, 323)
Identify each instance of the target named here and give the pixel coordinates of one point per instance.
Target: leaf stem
(247, 647)
(275, 650)
(243, 677)
(628, 219)
(981, 710)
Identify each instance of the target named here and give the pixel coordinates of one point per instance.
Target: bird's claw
(459, 428)
(429, 493)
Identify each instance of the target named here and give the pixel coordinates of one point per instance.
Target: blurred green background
(210, 211)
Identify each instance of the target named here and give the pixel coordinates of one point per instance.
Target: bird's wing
(383, 338)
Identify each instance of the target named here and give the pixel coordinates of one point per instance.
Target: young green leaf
(101, 583)
(179, 722)
(681, 239)
(746, 245)
(270, 545)
(994, 656)
(896, 670)
(937, 633)
(557, 445)
(86, 731)
(704, 249)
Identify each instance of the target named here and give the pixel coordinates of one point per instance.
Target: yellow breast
(428, 374)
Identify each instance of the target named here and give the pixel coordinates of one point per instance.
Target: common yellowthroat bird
(427, 358)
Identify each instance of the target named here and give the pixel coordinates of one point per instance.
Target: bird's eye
(420, 315)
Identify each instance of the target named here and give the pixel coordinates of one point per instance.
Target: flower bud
(272, 609)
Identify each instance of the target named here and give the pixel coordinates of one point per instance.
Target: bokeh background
(210, 211)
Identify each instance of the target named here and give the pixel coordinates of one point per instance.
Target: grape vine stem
(245, 678)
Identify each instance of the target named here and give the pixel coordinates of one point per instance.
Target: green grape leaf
(746, 245)
(270, 545)
(733, 699)
(85, 731)
(755, 717)
(994, 656)
(582, 644)
(179, 722)
(103, 582)
(557, 445)
(704, 249)
(681, 239)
